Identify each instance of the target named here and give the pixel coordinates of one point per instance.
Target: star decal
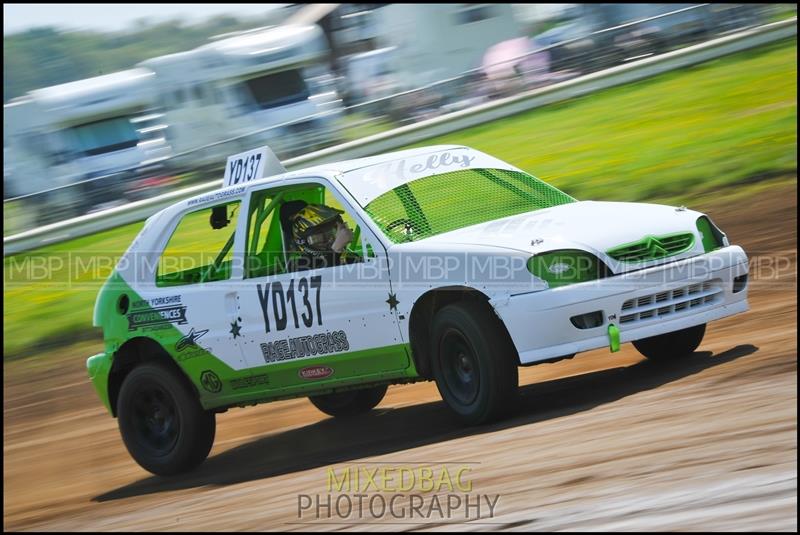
(236, 328)
(190, 339)
(393, 302)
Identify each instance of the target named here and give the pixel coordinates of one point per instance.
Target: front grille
(671, 302)
(653, 247)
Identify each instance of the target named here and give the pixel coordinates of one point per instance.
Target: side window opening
(201, 247)
(270, 247)
(356, 246)
(264, 249)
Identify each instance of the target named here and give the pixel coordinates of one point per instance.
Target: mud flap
(613, 338)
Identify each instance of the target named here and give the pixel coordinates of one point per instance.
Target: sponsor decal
(156, 302)
(315, 372)
(157, 316)
(190, 340)
(248, 382)
(305, 346)
(192, 353)
(156, 313)
(216, 196)
(210, 381)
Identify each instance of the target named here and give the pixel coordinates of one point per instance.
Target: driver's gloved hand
(343, 236)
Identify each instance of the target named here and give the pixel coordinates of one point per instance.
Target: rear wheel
(672, 345)
(162, 422)
(473, 362)
(350, 403)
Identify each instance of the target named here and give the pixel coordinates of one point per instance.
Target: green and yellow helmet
(314, 227)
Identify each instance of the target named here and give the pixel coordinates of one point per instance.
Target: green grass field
(724, 128)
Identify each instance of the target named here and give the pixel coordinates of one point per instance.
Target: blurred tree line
(46, 56)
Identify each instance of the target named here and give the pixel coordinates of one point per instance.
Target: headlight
(568, 266)
(713, 238)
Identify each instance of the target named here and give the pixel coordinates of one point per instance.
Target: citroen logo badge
(654, 247)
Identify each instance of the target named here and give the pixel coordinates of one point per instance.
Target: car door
(332, 324)
(189, 305)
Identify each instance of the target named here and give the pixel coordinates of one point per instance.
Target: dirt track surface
(601, 442)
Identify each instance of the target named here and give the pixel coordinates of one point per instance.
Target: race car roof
(370, 177)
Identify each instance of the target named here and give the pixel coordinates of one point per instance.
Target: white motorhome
(68, 133)
(259, 87)
(369, 75)
(432, 42)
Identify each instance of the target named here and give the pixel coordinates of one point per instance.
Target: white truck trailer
(264, 87)
(62, 135)
(432, 42)
(258, 87)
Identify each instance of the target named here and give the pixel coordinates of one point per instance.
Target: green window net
(440, 203)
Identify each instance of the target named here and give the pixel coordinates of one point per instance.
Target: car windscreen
(441, 203)
(278, 89)
(105, 136)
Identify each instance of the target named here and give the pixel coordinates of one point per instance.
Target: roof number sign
(251, 165)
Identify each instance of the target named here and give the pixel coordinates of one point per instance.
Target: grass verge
(723, 127)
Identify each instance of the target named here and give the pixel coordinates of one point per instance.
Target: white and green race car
(461, 269)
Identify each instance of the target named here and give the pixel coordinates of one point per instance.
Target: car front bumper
(641, 303)
(99, 366)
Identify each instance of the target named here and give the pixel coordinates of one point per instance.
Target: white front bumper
(657, 300)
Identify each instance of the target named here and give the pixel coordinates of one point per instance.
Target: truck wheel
(672, 345)
(473, 362)
(161, 421)
(350, 403)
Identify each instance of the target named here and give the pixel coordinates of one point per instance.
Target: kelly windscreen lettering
(305, 346)
(420, 166)
(157, 316)
(368, 183)
(435, 161)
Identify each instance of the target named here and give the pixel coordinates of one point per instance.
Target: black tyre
(474, 362)
(162, 422)
(350, 403)
(672, 345)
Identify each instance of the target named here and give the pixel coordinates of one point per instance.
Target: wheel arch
(421, 317)
(132, 353)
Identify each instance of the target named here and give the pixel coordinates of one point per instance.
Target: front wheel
(473, 362)
(672, 345)
(162, 422)
(349, 403)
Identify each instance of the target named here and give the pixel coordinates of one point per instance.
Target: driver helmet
(314, 228)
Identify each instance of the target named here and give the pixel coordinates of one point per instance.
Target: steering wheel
(409, 226)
